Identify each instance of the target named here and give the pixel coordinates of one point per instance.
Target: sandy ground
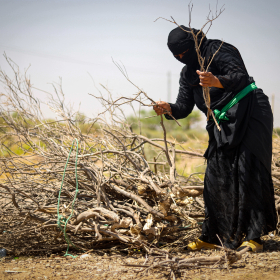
(261, 266)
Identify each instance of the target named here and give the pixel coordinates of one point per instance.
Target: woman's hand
(207, 79)
(162, 107)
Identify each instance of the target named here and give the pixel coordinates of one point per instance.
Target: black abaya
(239, 198)
(238, 190)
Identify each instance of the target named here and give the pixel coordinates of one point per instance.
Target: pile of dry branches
(124, 198)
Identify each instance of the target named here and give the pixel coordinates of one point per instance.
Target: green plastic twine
(60, 219)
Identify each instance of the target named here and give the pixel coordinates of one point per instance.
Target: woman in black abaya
(238, 189)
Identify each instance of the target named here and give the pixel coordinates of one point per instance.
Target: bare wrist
(218, 83)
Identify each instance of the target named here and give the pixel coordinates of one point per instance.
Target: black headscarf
(180, 41)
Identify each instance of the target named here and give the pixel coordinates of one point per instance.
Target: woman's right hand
(162, 107)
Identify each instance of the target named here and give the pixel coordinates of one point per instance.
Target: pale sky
(76, 39)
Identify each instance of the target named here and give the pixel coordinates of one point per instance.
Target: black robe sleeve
(185, 99)
(230, 68)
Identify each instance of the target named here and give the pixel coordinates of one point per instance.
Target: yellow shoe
(253, 245)
(198, 245)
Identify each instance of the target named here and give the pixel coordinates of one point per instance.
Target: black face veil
(180, 41)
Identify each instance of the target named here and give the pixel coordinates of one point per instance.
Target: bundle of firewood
(118, 188)
(117, 196)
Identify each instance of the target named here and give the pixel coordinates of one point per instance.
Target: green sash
(221, 115)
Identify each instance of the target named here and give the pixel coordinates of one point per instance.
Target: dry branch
(204, 65)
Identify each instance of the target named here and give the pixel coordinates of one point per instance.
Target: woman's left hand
(207, 79)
